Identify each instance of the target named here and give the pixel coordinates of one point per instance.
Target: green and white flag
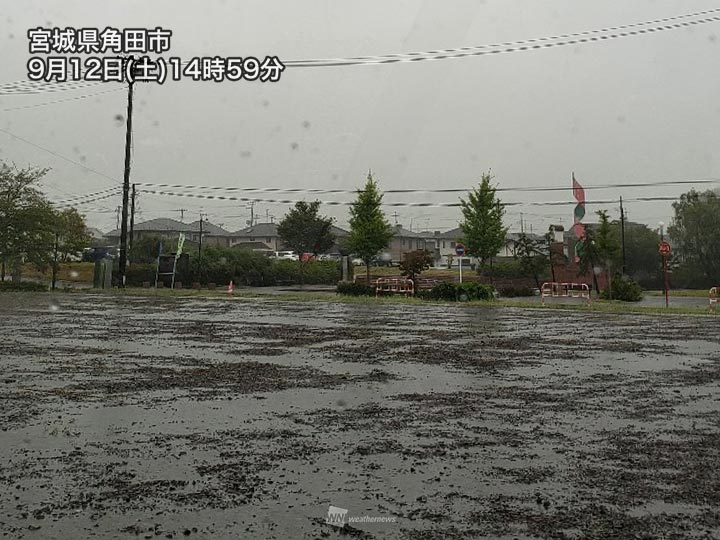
(181, 243)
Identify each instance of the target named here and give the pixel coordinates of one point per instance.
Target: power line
(77, 198)
(25, 87)
(449, 190)
(69, 160)
(84, 96)
(393, 204)
(79, 203)
(483, 49)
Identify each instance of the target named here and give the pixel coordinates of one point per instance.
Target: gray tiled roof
(171, 225)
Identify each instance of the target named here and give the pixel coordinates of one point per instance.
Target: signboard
(459, 250)
(664, 249)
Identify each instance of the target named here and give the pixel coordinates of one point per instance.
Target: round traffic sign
(459, 249)
(664, 248)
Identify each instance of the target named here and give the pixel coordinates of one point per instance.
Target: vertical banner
(178, 252)
(181, 243)
(578, 215)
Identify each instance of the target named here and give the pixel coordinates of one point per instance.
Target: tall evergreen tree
(370, 232)
(483, 230)
(608, 247)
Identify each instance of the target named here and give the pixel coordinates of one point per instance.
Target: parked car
(330, 257)
(287, 255)
(384, 259)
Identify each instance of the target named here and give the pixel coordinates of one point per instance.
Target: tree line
(33, 231)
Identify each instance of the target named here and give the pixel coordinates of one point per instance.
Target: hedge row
(462, 292)
(245, 269)
(26, 286)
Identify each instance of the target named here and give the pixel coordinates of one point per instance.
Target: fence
(395, 286)
(565, 290)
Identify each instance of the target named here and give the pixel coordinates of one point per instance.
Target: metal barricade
(713, 297)
(394, 286)
(552, 289)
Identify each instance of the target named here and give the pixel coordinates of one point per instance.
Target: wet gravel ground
(237, 418)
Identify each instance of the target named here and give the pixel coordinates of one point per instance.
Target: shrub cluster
(242, 267)
(462, 292)
(351, 288)
(512, 291)
(624, 289)
(25, 286)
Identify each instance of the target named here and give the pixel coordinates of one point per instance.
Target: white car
(287, 255)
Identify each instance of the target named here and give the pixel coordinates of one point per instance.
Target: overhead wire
(511, 47)
(25, 87)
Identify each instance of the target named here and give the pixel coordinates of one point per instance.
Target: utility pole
(522, 225)
(182, 213)
(395, 215)
(622, 233)
(199, 266)
(118, 209)
(267, 215)
(126, 188)
(132, 217)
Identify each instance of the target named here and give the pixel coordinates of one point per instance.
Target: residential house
(403, 241)
(266, 234)
(170, 229)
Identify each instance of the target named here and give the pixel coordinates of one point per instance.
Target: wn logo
(336, 516)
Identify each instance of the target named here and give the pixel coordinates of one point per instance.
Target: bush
(475, 291)
(459, 292)
(512, 291)
(504, 269)
(314, 273)
(137, 273)
(688, 275)
(24, 286)
(624, 289)
(351, 288)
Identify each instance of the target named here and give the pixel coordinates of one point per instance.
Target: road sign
(664, 249)
(459, 250)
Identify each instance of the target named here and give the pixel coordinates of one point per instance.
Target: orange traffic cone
(230, 287)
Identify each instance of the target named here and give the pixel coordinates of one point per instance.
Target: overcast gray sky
(638, 109)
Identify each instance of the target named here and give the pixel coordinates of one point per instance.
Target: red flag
(578, 190)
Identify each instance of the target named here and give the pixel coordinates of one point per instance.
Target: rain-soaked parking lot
(239, 418)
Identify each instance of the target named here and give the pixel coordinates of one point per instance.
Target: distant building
(403, 241)
(266, 234)
(170, 229)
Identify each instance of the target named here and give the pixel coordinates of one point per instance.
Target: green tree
(304, 230)
(696, 230)
(26, 220)
(642, 261)
(532, 256)
(608, 247)
(483, 230)
(415, 263)
(370, 232)
(589, 255)
(71, 237)
(73, 234)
